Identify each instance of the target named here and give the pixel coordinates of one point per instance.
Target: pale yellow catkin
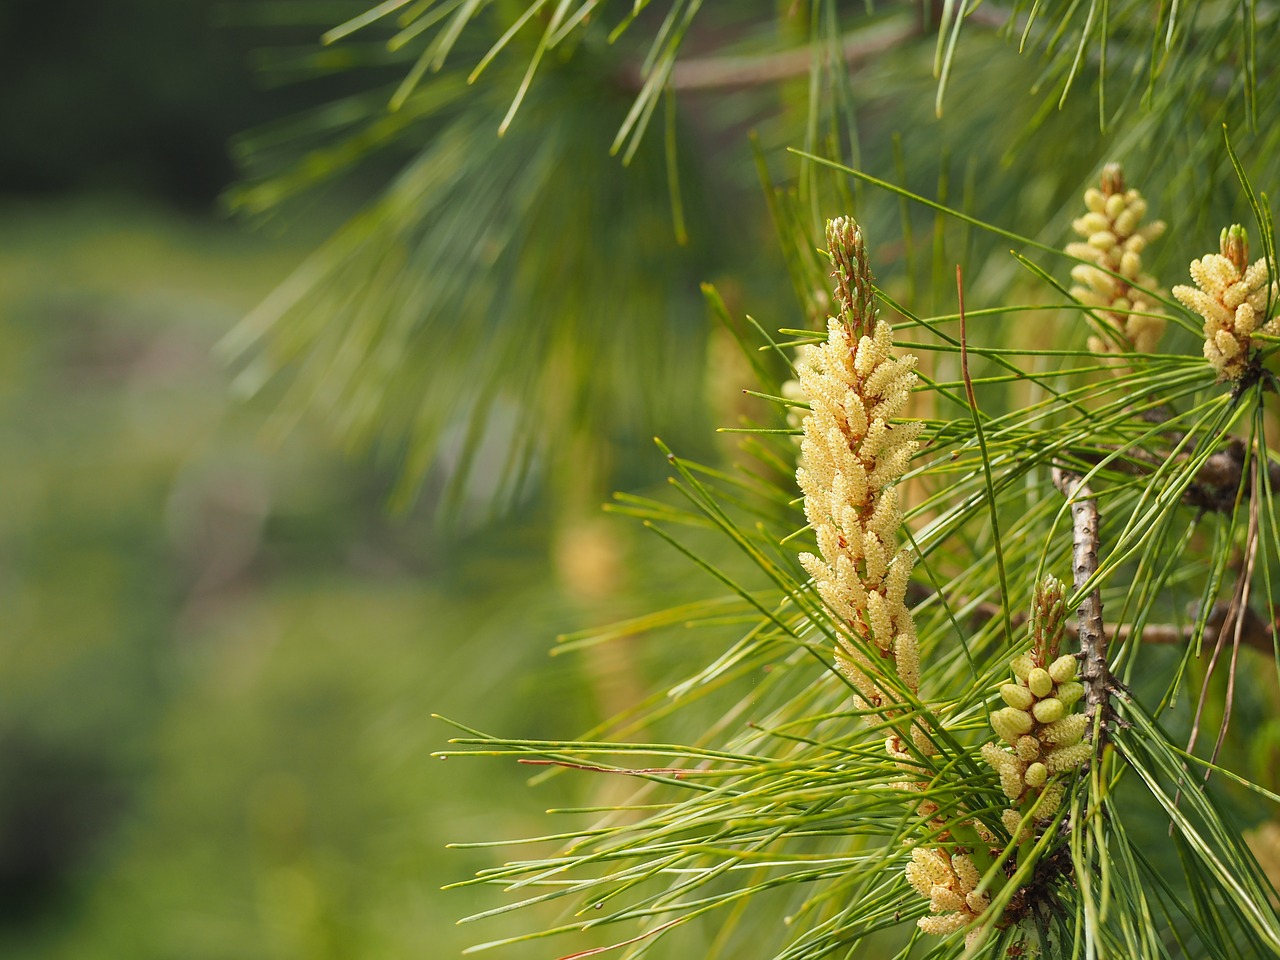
(852, 454)
(949, 881)
(1232, 296)
(1112, 280)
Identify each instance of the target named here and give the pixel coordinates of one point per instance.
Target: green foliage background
(222, 649)
(222, 654)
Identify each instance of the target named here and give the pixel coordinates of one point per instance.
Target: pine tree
(997, 543)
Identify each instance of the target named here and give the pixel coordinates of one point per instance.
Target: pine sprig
(804, 801)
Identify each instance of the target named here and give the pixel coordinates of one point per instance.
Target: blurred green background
(222, 652)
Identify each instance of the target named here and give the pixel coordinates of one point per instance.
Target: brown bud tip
(843, 236)
(1235, 246)
(1112, 180)
(854, 298)
(1048, 618)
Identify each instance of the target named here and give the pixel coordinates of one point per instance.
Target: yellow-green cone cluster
(1231, 295)
(1114, 238)
(851, 457)
(1038, 726)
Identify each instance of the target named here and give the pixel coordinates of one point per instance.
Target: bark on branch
(1084, 564)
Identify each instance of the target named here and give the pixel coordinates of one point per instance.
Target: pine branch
(1097, 680)
(719, 71)
(1217, 480)
(1254, 631)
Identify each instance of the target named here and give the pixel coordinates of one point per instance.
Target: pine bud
(1063, 669)
(1036, 775)
(1112, 270)
(966, 871)
(1232, 297)
(1069, 693)
(1022, 667)
(1234, 244)
(854, 296)
(997, 758)
(1027, 748)
(1011, 723)
(1050, 800)
(1017, 696)
(1112, 179)
(1012, 820)
(1040, 682)
(1064, 758)
(1011, 782)
(1048, 613)
(944, 899)
(926, 868)
(943, 924)
(851, 456)
(1049, 710)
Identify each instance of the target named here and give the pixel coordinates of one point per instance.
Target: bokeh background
(221, 651)
(225, 652)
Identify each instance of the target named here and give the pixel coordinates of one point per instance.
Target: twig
(1217, 480)
(715, 72)
(1094, 674)
(1253, 631)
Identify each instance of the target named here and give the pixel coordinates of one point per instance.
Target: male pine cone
(1232, 296)
(852, 454)
(1112, 280)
